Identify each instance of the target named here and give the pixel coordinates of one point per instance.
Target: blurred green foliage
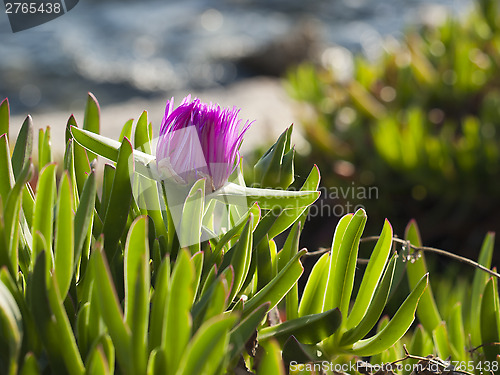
(422, 123)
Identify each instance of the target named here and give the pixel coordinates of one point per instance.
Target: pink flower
(199, 140)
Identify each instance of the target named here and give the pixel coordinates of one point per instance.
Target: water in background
(124, 49)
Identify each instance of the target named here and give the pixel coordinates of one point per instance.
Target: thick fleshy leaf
(313, 297)
(456, 332)
(84, 215)
(266, 198)
(233, 234)
(43, 316)
(271, 362)
(23, 147)
(12, 330)
(137, 285)
(4, 118)
(332, 294)
(109, 148)
(119, 201)
(275, 167)
(189, 233)
(6, 174)
(375, 308)
(30, 365)
(265, 270)
(97, 364)
(490, 321)
(478, 285)
(69, 166)
(373, 274)
(14, 220)
(157, 364)
(177, 327)
(159, 305)
(345, 261)
(224, 282)
(427, 310)
(91, 121)
(396, 327)
(442, 341)
(44, 204)
(421, 345)
(110, 309)
(308, 329)
(126, 131)
(217, 302)
(240, 257)
(208, 348)
(290, 248)
(240, 334)
(64, 237)
(290, 216)
(66, 342)
(44, 147)
(278, 287)
(143, 134)
(298, 353)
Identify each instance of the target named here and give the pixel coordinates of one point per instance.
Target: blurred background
(398, 98)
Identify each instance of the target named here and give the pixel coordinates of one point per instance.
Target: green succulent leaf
(43, 213)
(345, 261)
(178, 323)
(6, 173)
(290, 216)
(83, 217)
(276, 290)
(308, 329)
(12, 328)
(241, 257)
(115, 219)
(456, 332)
(91, 121)
(208, 348)
(159, 305)
(64, 239)
(332, 296)
(30, 365)
(189, 233)
(313, 297)
(396, 327)
(23, 148)
(271, 362)
(442, 341)
(44, 148)
(137, 285)
(275, 168)
(490, 320)
(109, 149)
(266, 198)
(375, 308)
(143, 134)
(244, 330)
(478, 284)
(4, 118)
(373, 274)
(126, 130)
(110, 310)
(427, 311)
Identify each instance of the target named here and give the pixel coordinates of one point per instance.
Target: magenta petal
(199, 140)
